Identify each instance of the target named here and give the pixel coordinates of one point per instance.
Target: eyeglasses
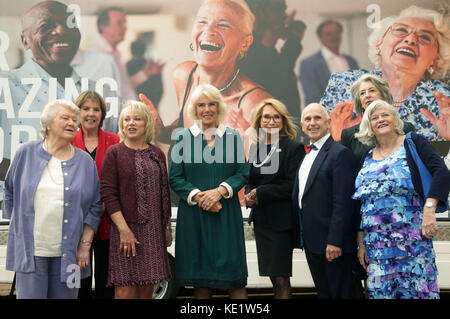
(423, 36)
(275, 118)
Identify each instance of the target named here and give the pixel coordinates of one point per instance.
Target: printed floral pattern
(401, 260)
(340, 83)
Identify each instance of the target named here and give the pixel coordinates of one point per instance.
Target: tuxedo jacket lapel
(323, 153)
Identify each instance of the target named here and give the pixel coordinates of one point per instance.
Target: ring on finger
(125, 247)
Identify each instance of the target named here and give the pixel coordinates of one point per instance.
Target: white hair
(213, 94)
(248, 16)
(365, 134)
(49, 112)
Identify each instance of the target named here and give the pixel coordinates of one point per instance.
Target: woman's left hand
(429, 224)
(442, 122)
(83, 255)
(251, 198)
(209, 198)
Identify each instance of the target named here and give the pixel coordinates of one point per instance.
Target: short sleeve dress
(401, 260)
(209, 247)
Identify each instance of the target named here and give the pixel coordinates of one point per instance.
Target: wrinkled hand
(251, 198)
(362, 257)
(83, 255)
(128, 243)
(429, 224)
(153, 67)
(332, 252)
(208, 199)
(341, 117)
(442, 122)
(158, 122)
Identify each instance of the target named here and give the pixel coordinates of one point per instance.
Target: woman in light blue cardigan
(52, 197)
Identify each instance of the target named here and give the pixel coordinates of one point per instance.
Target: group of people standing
(81, 188)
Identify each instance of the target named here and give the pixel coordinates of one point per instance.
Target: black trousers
(101, 257)
(333, 280)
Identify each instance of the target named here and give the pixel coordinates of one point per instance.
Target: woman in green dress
(208, 168)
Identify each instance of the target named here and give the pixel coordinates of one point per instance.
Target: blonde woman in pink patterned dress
(135, 190)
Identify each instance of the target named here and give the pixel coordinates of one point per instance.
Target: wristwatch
(430, 205)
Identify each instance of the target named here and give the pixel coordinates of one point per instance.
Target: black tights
(281, 287)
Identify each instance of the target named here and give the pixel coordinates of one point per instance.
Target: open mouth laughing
(406, 51)
(210, 46)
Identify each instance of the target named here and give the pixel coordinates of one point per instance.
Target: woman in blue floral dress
(397, 221)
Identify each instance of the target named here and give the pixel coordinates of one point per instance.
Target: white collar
(321, 141)
(327, 53)
(220, 130)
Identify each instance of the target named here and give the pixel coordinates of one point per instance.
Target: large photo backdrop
(296, 51)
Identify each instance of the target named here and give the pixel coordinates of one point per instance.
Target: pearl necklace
(272, 150)
(226, 87)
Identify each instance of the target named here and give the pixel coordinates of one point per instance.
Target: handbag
(425, 176)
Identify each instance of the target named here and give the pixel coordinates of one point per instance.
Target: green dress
(209, 247)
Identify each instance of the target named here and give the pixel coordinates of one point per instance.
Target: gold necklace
(390, 151)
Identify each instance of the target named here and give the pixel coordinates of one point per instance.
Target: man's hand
(333, 252)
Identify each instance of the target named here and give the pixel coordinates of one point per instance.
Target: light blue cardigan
(82, 205)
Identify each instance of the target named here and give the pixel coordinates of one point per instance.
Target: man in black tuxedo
(323, 207)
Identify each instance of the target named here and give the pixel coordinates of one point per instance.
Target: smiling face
(271, 120)
(315, 122)
(368, 92)
(90, 115)
(382, 121)
(64, 125)
(411, 45)
(207, 111)
(47, 33)
(134, 126)
(219, 35)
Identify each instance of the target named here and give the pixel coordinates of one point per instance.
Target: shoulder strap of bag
(425, 176)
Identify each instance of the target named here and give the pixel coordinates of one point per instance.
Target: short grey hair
(440, 23)
(213, 94)
(49, 113)
(247, 14)
(380, 83)
(365, 134)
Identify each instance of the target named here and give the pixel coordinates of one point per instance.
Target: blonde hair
(248, 16)
(365, 134)
(288, 129)
(142, 109)
(213, 94)
(440, 23)
(49, 112)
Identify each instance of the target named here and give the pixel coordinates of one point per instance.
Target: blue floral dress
(401, 260)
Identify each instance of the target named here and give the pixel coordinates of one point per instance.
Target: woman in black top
(274, 158)
(365, 90)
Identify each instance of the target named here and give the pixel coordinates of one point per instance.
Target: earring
(378, 51)
(242, 56)
(191, 47)
(430, 70)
